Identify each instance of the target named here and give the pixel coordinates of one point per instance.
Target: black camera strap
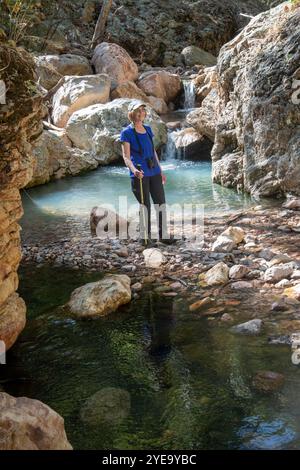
(139, 143)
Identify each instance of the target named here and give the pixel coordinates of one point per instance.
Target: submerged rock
(268, 381)
(108, 406)
(27, 424)
(252, 327)
(100, 298)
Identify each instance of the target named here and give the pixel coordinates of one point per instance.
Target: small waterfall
(189, 94)
(171, 151)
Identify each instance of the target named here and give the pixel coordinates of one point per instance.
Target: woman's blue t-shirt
(128, 135)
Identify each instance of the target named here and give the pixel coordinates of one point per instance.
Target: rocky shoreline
(262, 272)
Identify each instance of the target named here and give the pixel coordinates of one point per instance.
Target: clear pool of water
(189, 383)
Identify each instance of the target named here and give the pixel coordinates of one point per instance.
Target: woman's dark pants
(152, 185)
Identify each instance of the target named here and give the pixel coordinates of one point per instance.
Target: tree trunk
(101, 23)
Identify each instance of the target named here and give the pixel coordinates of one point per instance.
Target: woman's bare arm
(127, 160)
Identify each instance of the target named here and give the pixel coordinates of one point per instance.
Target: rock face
(27, 424)
(114, 61)
(97, 128)
(98, 299)
(78, 93)
(203, 119)
(53, 159)
(258, 128)
(108, 406)
(20, 123)
(159, 31)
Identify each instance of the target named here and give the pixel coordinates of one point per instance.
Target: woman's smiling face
(140, 113)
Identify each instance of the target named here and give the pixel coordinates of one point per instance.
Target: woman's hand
(138, 174)
(164, 178)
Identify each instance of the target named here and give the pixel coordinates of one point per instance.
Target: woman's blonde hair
(132, 114)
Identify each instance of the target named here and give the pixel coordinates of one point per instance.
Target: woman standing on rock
(141, 158)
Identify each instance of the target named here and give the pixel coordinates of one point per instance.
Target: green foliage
(17, 16)
(295, 2)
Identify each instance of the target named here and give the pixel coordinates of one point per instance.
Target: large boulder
(27, 424)
(258, 127)
(100, 298)
(161, 84)
(104, 220)
(66, 64)
(78, 93)
(113, 60)
(158, 104)
(192, 55)
(97, 128)
(131, 90)
(128, 89)
(53, 159)
(47, 75)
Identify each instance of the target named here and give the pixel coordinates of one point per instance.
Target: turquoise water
(189, 382)
(61, 208)
(186, 182)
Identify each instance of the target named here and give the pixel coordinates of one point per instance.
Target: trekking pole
(143, 206)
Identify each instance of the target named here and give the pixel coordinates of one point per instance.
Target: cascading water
(171, 152)
(174, 150)
(189, 94)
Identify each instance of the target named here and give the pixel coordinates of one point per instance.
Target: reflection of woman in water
(160, 324)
